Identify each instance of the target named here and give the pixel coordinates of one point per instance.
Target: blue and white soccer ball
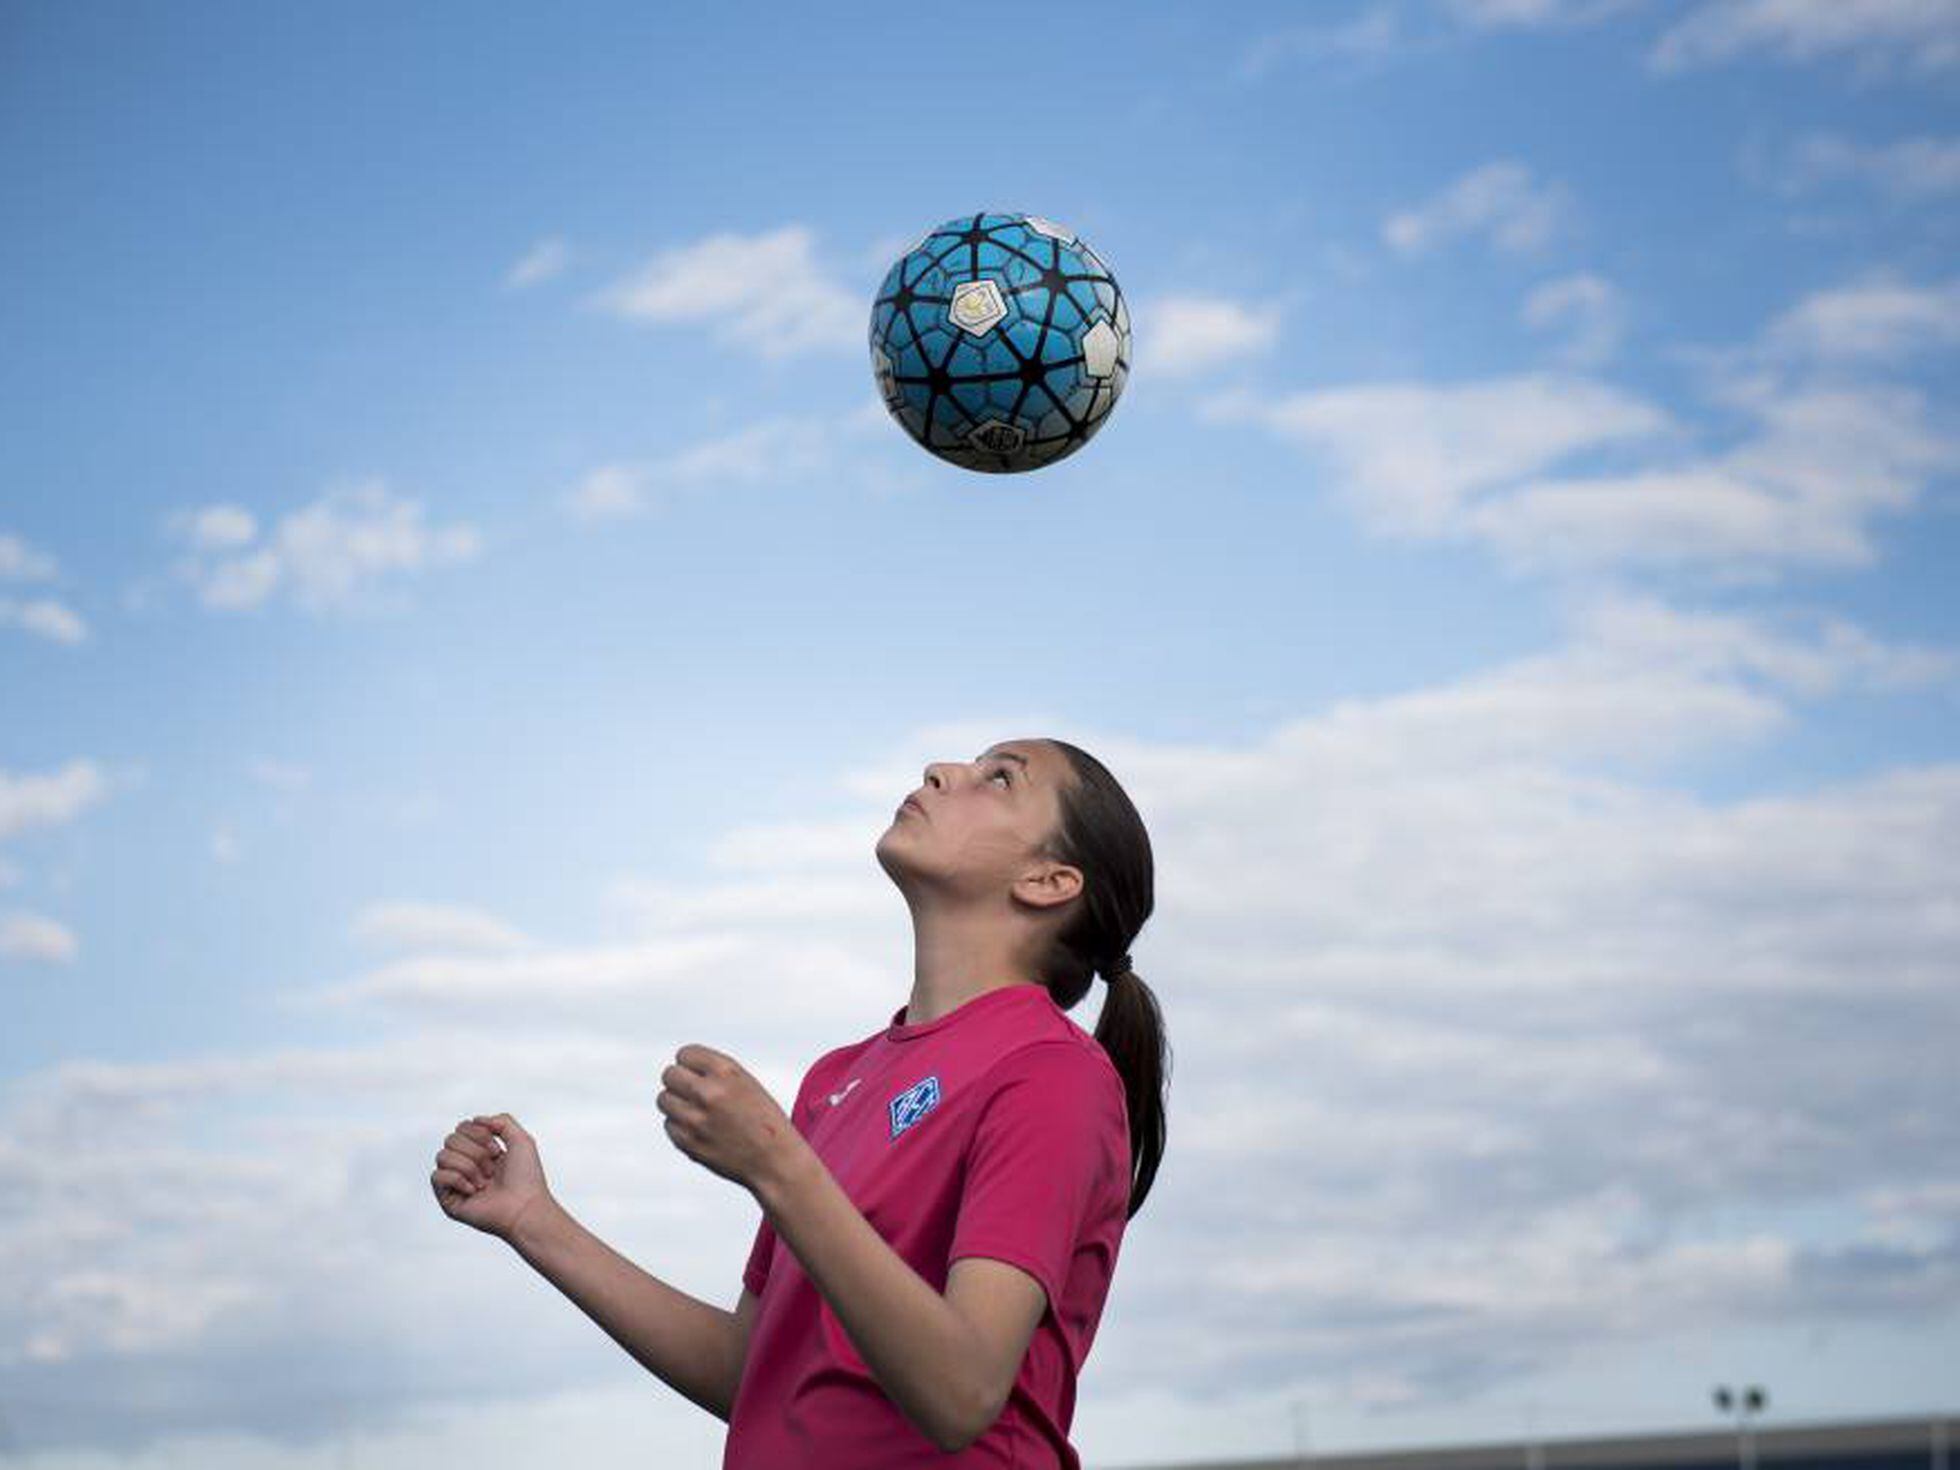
(1000, 342)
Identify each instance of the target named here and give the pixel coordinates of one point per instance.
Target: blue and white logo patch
(913, 1104)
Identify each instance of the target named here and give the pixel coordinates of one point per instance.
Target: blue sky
(465, 619)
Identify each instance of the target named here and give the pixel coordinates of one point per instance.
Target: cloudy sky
(465, 620)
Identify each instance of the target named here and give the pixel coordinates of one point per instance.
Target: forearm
(693, 1347)
(912, 1339)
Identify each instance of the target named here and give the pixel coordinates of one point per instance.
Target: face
(977, 827)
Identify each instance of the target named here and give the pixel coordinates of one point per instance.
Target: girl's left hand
(721, 1117)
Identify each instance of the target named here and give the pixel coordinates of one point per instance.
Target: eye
(1000, 771)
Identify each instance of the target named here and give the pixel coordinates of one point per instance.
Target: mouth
(911, 804)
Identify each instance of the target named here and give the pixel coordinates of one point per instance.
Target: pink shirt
(997, 1130)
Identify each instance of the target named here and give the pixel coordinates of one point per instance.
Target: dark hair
(1101, 833)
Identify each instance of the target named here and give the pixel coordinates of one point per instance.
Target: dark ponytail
(1101, 833)
(1131, 1030)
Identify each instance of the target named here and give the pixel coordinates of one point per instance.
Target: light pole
(1752, 1400)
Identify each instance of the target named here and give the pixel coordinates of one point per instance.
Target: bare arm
(696, 1349)
(948, 1362)
(489, 1176)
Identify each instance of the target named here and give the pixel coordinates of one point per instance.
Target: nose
(940, 774)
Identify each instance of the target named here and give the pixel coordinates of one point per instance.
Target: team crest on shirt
(913, 1104)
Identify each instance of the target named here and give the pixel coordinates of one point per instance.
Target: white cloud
(20, 562)
(1879, 318)
(757, 454)
(52, 620)
(241, 582)
(329, 554)
(611, 492)
(1414, 456)
(216, 1286)
(1812, 656)
(1587, 309)
(1880, 35)
(49, 800)
(768, 453)
(1805, 489)
(1499, 201)
(1183, 335)
(682, 972)
(430, 926)
(226, 847)
(216, 527)
(1906, 169)
(25, 936)
(765, 294)
(1369, 34)
(1393, 28)
(1822, 459)
(543, 261)
(1529, 14)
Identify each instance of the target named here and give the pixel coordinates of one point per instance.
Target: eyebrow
(1007, 755)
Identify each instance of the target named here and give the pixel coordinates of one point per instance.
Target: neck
(955, 958)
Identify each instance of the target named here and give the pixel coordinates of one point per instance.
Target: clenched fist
(488, 1174)
(721, 1117)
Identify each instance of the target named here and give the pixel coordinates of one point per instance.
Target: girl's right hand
(486, 1185)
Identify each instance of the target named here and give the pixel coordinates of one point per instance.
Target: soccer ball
(1000, 342)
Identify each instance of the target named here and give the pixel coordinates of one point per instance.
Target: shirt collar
(1019, 992)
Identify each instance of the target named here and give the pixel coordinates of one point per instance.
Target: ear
(1048, 883)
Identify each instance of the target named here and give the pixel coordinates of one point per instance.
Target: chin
(890, 854)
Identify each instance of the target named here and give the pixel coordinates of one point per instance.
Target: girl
(944, 1203)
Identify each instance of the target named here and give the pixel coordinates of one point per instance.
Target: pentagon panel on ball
(1000, 342)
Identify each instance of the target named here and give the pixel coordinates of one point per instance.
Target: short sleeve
(1047, 1161)
(755, 1275)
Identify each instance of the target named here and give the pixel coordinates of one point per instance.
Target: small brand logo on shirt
(913, 1104)
(837, 1097)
